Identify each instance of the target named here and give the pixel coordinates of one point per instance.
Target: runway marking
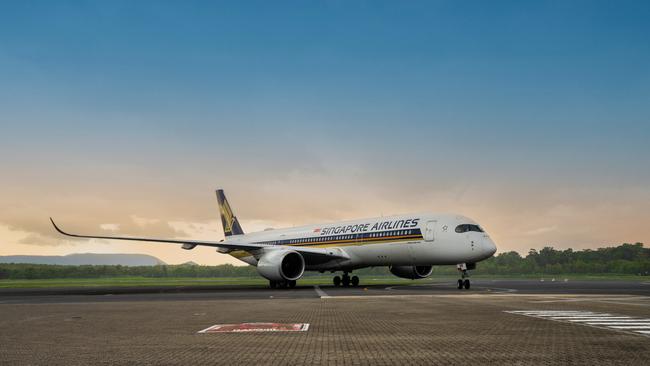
(496, 290)
(500, 290)
(256, 327)
(321, 293)
(588, 318)
(627, 324)
(619, 323)
(617, 299)
(599, 298)
(420, 285)
(474, 295)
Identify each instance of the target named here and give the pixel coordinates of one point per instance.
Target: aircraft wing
(310, 254)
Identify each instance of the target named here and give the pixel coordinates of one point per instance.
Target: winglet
(59, 230)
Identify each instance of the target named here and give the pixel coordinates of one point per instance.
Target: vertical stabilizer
(228, 219)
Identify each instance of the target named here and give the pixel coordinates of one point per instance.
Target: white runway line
(632, 320)
(627, 299)
(321, 293)
(574, 316)
(584, 318)
(621, 323)
(599, 319)
(639, 324)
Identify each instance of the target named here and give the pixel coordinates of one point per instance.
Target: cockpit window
(468, 227)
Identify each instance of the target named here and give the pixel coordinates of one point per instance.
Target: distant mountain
(85, 258)
(190, 263)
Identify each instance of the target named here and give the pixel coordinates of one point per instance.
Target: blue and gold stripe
(349, 239)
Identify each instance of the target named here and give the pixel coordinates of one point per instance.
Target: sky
(123, 117)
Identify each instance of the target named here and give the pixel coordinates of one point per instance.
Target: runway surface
(495, 322)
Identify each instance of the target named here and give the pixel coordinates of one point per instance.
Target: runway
(178, 293)
(495, 322)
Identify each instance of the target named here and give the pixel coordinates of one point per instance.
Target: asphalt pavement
(495, 322)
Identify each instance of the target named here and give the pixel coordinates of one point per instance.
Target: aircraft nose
(489, 247)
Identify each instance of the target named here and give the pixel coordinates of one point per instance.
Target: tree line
(631, 259)
(623, 259)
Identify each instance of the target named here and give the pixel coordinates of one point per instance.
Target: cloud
(541, 230)
(517, 214)
(110, 227)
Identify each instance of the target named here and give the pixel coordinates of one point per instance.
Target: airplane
(410, 245)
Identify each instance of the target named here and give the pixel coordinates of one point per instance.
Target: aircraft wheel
(466, 284)
(283, 284)
(292, 284)
(460, 284)
(337, 281)
(273, 284)
(346, 281)
(355, 281)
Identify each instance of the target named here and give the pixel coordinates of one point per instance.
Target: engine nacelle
(281, 265)
(411, 272)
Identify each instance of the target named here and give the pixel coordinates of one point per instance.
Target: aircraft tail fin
(228, 219)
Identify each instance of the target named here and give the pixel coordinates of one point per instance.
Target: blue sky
(505, 110)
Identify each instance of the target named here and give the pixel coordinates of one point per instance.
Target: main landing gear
(346, 281)
(282, 284)
(463, 282)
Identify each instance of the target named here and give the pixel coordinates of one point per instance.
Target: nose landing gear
(346, 281)
(463, 282)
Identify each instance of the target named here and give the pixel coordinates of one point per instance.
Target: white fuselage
(402, 240)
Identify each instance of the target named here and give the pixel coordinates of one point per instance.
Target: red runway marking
(257, 327)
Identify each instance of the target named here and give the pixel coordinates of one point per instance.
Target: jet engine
(281, 265)
(411, 272)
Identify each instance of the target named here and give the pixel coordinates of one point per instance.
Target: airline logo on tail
(228, 219)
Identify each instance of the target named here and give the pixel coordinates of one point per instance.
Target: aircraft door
(430, 230)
